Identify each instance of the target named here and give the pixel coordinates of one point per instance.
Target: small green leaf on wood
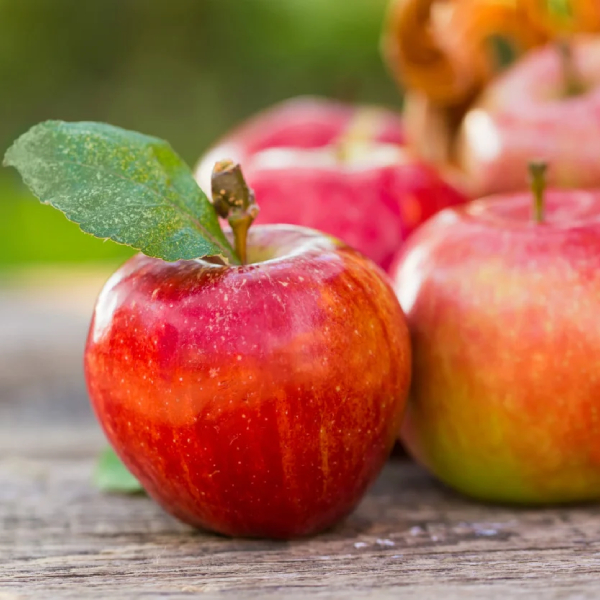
(111, 475)
(122, 185)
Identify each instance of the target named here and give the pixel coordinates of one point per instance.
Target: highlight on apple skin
(257, 400)
(341, 169)
(503, 315)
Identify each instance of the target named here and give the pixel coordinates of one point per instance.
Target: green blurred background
(184, 70)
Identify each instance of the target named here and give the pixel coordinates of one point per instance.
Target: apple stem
(234, 200)
(537, 174)
(571, 78)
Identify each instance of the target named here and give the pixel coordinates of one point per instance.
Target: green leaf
(122, 185)
(111, 475)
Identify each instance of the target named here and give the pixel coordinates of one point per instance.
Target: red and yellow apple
(503, 315)
(336, 168)
(527, 114)
(255, 400)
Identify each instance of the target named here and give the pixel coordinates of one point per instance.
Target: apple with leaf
(252, 379)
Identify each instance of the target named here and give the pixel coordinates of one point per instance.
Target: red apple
(344, 167)
(256, 400)
(503, 314)
(527, 113)
(305, 122)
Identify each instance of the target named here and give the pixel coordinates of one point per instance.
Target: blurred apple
(342, 169)
(534, 112)
(303, 122)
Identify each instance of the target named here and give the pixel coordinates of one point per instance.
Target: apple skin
(306, 122)
(259, 400)
(524, 115)
(344, 167)
(503, 315)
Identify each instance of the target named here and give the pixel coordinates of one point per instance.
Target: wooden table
(410, 538)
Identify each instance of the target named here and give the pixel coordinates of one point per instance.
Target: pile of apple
(337, 168)
(254, 379)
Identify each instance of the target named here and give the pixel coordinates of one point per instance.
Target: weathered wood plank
(59, 534)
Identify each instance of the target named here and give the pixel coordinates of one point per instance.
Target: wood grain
(410, 538)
